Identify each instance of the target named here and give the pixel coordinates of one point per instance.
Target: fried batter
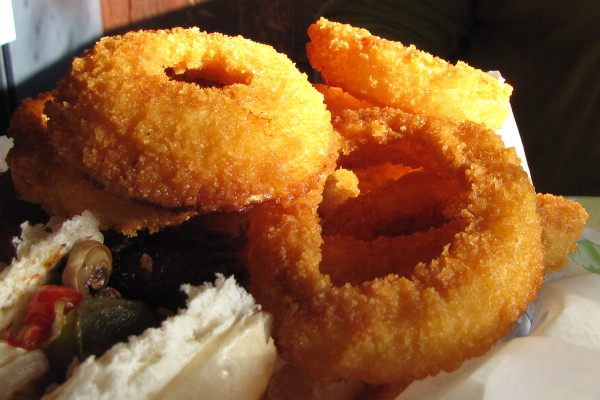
(416, 202)
(562, 223)
(388, 73)
(340, 186)
(41, 178)
(562, 219)
(406, 324)
(180, 118)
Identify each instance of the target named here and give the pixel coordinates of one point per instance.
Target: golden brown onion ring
(62, 191)
(182, 118)
(400, 327)
(388, 73)
(562, 219)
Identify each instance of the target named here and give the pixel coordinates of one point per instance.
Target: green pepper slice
(95, 325)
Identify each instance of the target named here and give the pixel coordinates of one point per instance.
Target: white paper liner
(558, 360)
(510, 132)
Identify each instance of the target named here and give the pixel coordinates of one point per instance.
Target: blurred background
(49, 33)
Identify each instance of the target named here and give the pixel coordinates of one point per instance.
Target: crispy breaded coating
(340, 186)
(562, 223)
(41, 178)
(184, 118)
(405, 324)
(388, 73)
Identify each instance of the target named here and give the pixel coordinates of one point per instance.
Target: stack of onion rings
(426, 246)
(419, 252)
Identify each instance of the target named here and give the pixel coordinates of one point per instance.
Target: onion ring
(388, 73)
(399, 326)
(184, 118)
(39, 177)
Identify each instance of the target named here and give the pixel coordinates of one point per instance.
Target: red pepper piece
(41, 315)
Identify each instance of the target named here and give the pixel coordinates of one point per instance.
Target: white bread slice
(39, 250)
(217, 348)
(19, 367)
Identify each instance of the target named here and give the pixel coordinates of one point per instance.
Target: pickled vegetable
(95, 325)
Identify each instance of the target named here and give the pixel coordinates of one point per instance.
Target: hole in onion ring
(206, 77)
(402, 216)
(374, 177)
(415, 202)
(392, 238)
(354, 261)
